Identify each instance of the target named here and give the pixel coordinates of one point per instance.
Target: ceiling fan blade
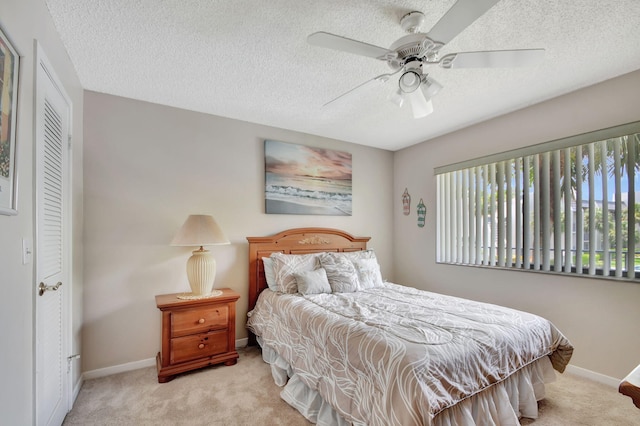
(344, 44)
(374, 82)
(420, 106)
(462, 14)
(493, 59)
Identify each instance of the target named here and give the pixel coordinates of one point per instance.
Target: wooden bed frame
(294, 241)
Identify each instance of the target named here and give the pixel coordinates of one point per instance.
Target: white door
(53, 287)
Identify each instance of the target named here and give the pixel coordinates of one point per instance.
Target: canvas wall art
(301, 179)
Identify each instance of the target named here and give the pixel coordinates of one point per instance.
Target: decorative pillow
(341, 273)
(368, 273)
(269, 273)
(313, 282)
(285, 265)
(356, 255)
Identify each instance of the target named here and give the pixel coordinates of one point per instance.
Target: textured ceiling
(249, 59)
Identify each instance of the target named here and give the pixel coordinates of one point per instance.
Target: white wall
(147, 167)
(600, 317)
(23, 21)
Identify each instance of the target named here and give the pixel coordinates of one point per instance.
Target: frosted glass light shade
(430, 87)
(396, 98)
(420, 106)
(409, 81)
(200, 230)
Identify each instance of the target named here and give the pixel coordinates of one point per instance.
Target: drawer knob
(201, 321)
(201, 346)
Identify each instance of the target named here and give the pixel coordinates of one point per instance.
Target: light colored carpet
(244, 394)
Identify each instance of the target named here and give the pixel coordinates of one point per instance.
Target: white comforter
(397, 355)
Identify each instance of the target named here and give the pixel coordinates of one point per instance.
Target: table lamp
(200, 230)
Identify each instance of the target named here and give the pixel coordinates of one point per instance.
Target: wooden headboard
(295, 241)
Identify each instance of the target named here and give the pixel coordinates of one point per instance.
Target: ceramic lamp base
(201, 271)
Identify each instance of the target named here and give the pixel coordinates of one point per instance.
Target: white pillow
(370, 280)
(355, 255)
(269, 273)
(368, 273)
(285, 265)
(341, 273)
(313, 282)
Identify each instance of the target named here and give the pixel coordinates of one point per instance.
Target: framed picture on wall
(301, 179)
(9, 71)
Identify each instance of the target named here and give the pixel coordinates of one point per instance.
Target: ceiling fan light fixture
(409, 81)
(430, 87)
(420, 106)
(396, 98)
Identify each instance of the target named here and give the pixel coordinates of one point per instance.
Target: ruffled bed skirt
(501, 405)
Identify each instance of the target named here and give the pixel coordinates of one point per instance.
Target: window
(567, 206)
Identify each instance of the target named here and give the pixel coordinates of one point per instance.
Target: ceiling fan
(410, 55)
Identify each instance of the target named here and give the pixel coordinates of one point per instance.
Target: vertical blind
(566, 206)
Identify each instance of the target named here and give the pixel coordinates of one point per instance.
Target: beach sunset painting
(305, 180)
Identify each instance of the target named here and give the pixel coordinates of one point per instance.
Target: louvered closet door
(52, 269)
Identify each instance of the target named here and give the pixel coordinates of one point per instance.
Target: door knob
(42, 287)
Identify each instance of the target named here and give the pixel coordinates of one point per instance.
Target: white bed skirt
(501, 405)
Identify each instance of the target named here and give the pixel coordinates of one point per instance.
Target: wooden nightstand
(630, 386)
(196, 333)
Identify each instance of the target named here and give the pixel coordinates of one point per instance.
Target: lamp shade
(199, 230)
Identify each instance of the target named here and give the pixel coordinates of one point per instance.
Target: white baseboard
(130, 366)
(592, 375)
(108, 371)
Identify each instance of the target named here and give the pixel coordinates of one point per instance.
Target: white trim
(130, 366)
(108, 371)
(592, 375)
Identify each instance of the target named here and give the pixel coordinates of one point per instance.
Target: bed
(385, 354)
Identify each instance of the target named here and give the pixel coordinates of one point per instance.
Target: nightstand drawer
(198, 320)
(198, 346)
